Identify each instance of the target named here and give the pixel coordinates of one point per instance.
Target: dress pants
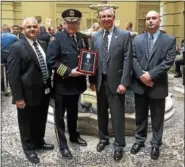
(32, 124)
(106, 99)
(157, 110)
(178, 64)
(67, 103)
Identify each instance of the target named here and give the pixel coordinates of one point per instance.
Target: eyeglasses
(29, 27)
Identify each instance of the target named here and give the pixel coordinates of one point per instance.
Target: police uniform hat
(71, 15)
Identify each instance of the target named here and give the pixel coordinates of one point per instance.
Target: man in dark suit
(30, 84)
(43, 34)
(154, 54)
(114, 47)
(180, 62)
(63, 52)
(16, 30)
(51, 31)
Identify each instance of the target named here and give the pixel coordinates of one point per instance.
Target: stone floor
(172, 150)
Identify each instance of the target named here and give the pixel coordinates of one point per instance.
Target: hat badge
(71, 13)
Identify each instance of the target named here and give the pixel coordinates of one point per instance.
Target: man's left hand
(121, 89)
(146, 76)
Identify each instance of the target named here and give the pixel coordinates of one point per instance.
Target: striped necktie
(104, 51)
(42, 63)
(150, 43)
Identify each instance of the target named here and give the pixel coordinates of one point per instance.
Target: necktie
(150, 43)
(104, 51)
(41, 62)
(74, 39)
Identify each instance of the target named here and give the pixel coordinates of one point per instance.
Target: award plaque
(87, 62)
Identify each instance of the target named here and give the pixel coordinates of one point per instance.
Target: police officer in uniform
(68, 83)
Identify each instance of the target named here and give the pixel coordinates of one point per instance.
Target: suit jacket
(21, 36)
(44, 36)
(119, 62)
(25, 75)
(157, 64)
(63, 55)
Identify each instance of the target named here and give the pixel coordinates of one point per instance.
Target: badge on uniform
(47, 90)
(52, 38)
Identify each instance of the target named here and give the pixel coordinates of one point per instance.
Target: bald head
(30, 28)
(152, 21)
(153, 12)
(29, 19)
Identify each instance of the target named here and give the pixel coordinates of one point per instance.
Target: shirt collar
(155, 35)
(70, 35)
(31, 41)
(110, 31)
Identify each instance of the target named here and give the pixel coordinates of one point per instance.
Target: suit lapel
(156, 45)
(98, 42)
(80, 42)
(43, 45)
(113, 42)
(145, 44)
(31, 52)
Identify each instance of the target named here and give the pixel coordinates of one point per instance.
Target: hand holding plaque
(87, 62)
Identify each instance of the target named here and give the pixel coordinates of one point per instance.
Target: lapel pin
(116, 37)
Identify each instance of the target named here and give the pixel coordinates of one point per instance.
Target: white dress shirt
(40, 48)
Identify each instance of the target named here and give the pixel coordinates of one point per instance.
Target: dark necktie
(104, 51)
(41, 62)
(74, 40)
(150, 43)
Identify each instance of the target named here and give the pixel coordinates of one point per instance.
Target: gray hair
(107, 8)
(29, 19)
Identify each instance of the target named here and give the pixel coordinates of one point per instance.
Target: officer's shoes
(79, 141)
(66, 153)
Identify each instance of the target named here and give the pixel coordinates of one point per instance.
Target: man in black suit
(154, 54)
(63, 52)
(114, 47)
(30, 84)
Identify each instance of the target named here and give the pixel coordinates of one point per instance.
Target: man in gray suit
(153, 55)
(114, 47)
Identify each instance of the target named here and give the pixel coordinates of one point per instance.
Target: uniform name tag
(47, 90)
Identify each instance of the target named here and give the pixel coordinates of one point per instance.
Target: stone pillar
(43, 9)
(172, 19)
(142, 9)
(7, 9)
(126, 13)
